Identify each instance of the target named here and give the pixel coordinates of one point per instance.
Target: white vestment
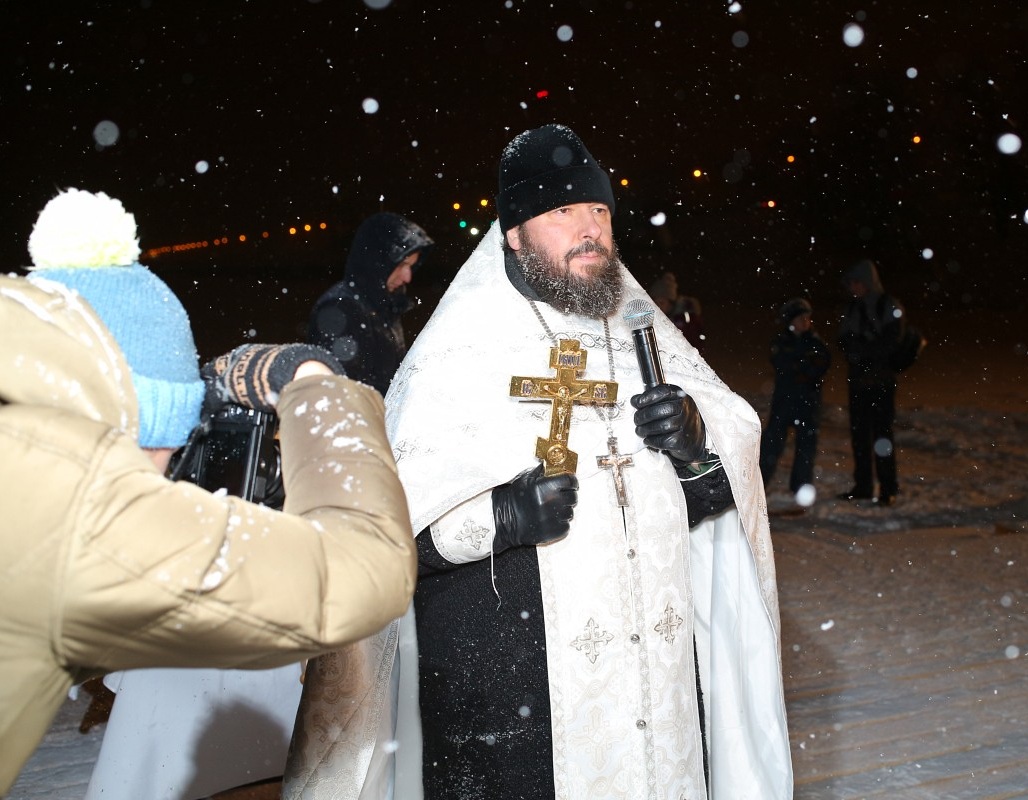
(624, 596)
(182, 734)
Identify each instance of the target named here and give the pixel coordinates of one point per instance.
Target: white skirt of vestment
(182, 734)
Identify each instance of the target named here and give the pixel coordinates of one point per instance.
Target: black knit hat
(544, 169)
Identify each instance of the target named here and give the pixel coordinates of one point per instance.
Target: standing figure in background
(358, 318)
(800, 359)
(682, 310)
(869, 334)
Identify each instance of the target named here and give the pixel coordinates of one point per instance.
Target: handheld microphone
(639, 316)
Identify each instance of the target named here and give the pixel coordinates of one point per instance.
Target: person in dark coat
(869, 334)
(358, 319)
(801, 359)
(681, 309)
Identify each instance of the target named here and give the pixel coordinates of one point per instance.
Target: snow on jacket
(107, 565)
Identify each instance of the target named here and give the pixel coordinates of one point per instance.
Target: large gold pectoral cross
(568, 359)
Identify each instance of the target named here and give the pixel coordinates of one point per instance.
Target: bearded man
(593, 625)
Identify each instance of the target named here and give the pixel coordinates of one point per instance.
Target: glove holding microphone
(533, 509)
(666, 418)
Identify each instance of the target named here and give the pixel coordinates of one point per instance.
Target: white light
(106, 133)
(853, 35)
(370, 105)
(658, 219)
(202, 167)
(564, 33)
(927, 254)
(806, 495)
(912, 72)
(827, 626)
(734, 8)
(1009, 143)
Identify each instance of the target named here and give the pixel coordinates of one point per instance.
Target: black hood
(382, 241)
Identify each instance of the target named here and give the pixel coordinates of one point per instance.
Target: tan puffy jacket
(109, 566)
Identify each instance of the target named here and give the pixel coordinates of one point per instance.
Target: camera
(234, 449)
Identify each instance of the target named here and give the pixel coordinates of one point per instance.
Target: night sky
(230, 118)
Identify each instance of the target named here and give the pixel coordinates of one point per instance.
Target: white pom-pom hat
(88, 242)
(83, 229)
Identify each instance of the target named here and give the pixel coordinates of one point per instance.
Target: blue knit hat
(88, 243)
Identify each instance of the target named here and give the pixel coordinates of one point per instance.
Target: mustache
(583, 248)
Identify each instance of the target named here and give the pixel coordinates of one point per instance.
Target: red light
(541, 94)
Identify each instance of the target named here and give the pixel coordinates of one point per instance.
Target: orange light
(242, 237)
(323, 226)
(307, 227)
(264, 235)
(456, 206)
(770, 203)
(624, 181)
(697, 173)
(790, 159)
(916, 139)
(292, 231)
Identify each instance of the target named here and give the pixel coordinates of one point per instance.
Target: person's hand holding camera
(253, 375)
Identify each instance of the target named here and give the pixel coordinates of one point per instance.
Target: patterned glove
(252, 375)
(667, 419)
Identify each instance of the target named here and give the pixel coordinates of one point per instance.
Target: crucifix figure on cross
(614, 461)
(563, 391)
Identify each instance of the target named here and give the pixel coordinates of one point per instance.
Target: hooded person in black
(869, 333)
(358, 319)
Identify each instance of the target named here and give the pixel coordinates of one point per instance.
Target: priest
(596, 612)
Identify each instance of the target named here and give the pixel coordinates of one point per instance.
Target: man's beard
(596, 295)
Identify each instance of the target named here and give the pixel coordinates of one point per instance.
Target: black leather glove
(667, 419)
(533, 509)
(253, 375)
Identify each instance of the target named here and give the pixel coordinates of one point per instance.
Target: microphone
(639, 316)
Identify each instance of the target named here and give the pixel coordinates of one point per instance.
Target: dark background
(270, 95)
